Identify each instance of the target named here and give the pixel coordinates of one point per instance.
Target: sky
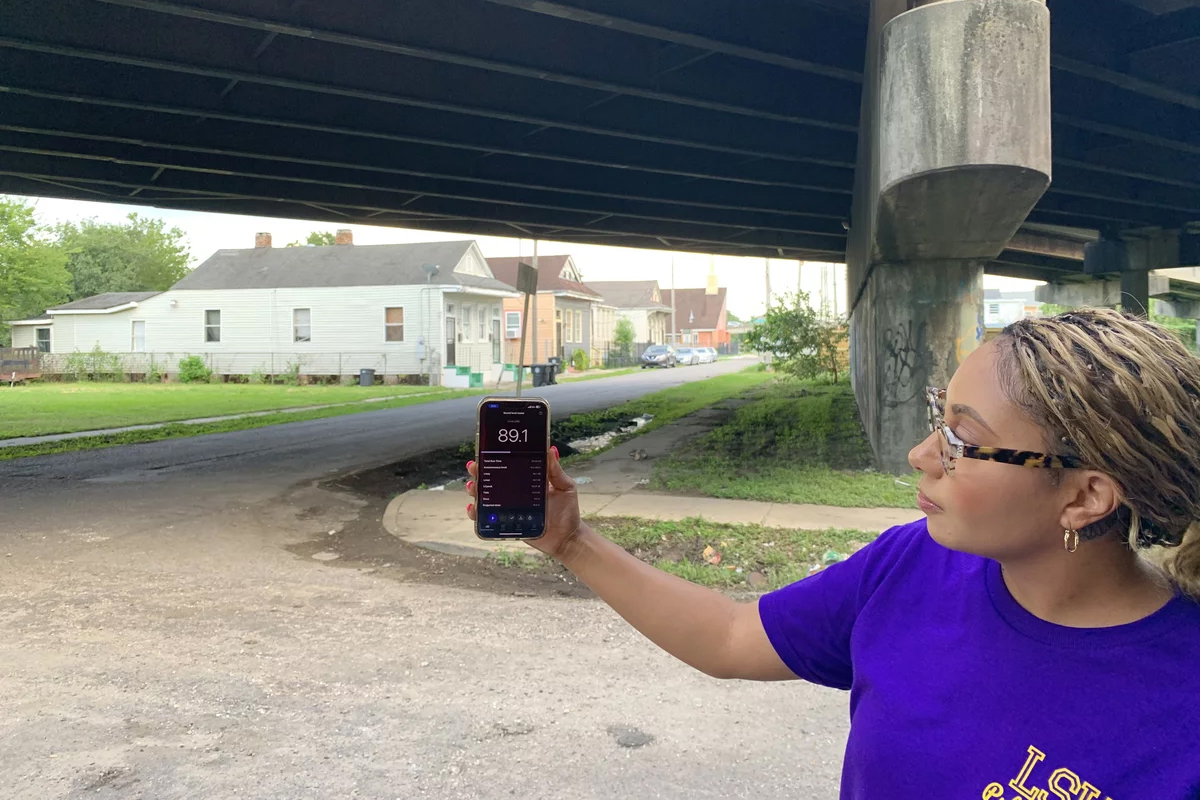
(744, 278)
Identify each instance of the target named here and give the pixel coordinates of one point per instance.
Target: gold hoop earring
(1071, 540)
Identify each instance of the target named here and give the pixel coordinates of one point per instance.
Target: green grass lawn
(177, 430)
(751, 557)
(45, 408)
(665, 406)
(793, 443)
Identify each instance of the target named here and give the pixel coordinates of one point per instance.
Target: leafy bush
(95, 365)
(193, 370)
(154, 373)
(258, 376)
(623, 339)
(581, 360)
(291, 375)
(802, 342)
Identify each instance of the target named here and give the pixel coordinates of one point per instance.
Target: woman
(1036, 635)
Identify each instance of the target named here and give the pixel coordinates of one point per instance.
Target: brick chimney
(262, 240)
(344, 236)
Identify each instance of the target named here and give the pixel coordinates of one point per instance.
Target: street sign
(526, 279)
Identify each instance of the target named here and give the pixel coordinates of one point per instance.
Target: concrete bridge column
(954, 151)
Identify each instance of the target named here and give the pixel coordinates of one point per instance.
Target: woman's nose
(925, 456)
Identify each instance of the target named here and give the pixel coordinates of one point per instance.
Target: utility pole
(824, 286)
(767, 271)
(835, 299)
(535, 339)
(671, 338)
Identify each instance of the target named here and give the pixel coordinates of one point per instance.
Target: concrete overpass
(911, 139)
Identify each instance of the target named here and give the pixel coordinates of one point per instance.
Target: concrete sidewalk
(437, 520)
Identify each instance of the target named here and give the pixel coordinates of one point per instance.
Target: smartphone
(511, 440)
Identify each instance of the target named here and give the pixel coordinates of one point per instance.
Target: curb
(418, 534)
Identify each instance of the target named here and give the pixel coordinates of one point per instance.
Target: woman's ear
(1090, 497)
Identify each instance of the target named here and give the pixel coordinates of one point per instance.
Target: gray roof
(103, 302)
(628, 294)
(335, 265)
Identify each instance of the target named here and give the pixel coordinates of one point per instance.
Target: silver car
(688, 356)
(707, 355)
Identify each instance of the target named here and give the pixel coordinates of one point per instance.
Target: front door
(450, 339)
(496, 342)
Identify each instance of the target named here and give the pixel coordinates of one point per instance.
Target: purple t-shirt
(956, 691)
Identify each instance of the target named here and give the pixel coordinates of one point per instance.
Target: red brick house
(701, 318)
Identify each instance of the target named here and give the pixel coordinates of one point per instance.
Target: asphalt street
(202, 472)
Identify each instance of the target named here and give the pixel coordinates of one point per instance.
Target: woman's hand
(699, 626)
(562, 507)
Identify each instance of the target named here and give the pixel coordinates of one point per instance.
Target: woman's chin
(943, 533)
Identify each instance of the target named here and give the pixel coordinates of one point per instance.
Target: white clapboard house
(431, 310)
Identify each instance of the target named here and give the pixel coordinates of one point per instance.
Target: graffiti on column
(906, 362)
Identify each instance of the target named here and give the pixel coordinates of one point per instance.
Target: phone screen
(512, 468)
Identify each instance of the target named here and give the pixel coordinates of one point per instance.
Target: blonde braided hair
(1123, 395)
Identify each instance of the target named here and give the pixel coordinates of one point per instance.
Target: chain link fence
(613, 357)
(260, 366)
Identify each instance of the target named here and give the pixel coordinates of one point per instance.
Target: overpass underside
(911, 139)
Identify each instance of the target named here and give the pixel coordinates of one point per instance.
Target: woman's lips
(926, 505)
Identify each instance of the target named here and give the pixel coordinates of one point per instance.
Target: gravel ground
(214, 657)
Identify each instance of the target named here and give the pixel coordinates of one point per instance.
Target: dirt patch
(434, 468)
(364, 545)
(439, 467)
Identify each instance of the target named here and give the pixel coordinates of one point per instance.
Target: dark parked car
(659, 355)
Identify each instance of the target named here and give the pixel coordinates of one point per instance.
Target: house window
(393, 325)
(467, 313)
(302, 324)
(483, 323)
(994, 308)
(43, 340)
(212, 326)
(512, 324)
(579, 327)
(138, 336)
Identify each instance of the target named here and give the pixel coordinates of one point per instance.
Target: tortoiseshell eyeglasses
(952, 448)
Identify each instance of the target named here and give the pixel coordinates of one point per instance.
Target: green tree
(623, 338)
(802, 342)
(733, 318)
(316, 238)
(1185, 329)
(32, 272)
(140, 255)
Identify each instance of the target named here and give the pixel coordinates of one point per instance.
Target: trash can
(555, 364)
(541, 374)
(366, 377)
